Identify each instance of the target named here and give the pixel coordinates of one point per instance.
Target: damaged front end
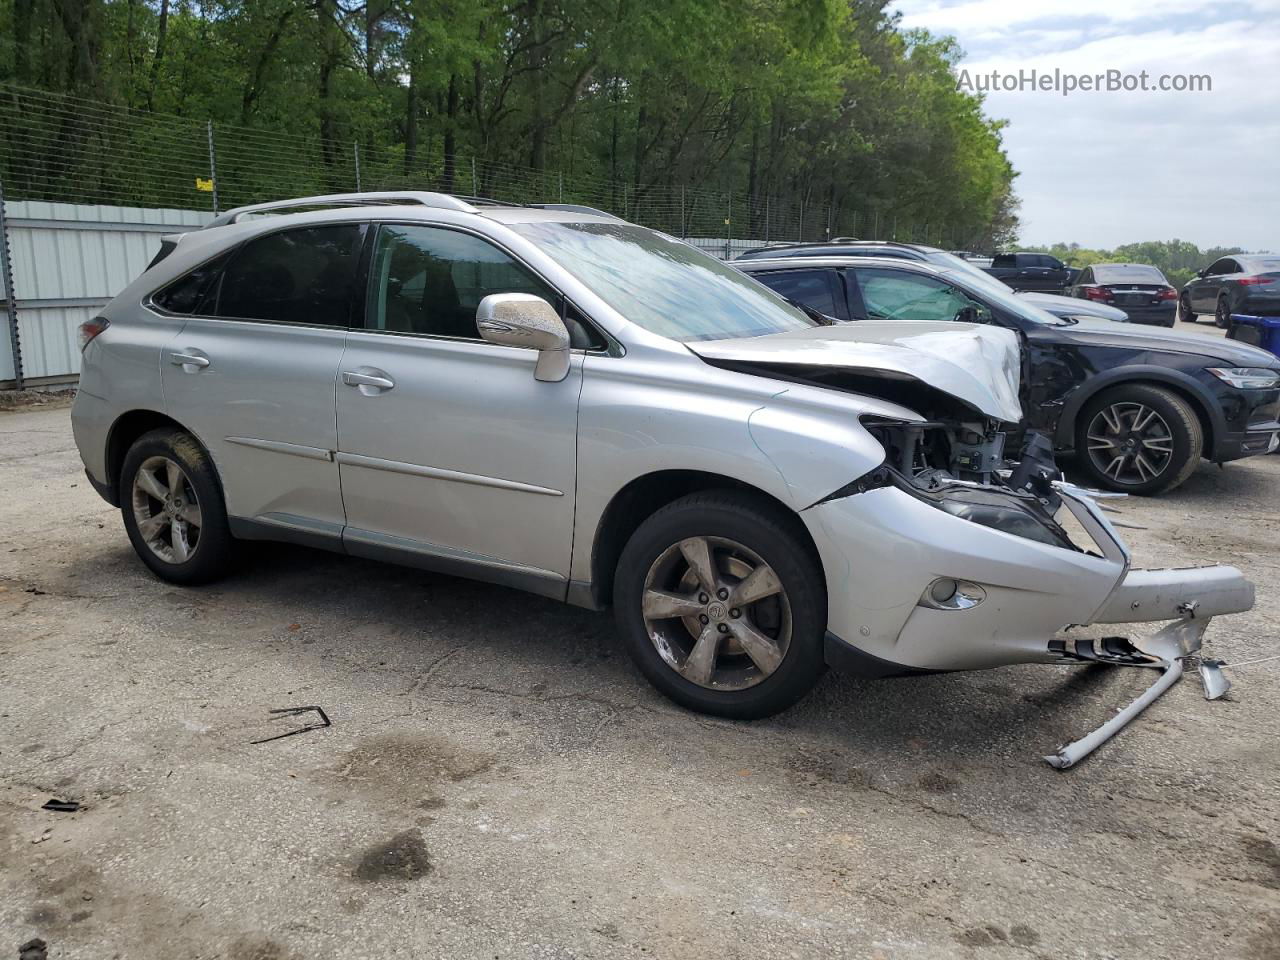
(1011, 559)
(953, 553)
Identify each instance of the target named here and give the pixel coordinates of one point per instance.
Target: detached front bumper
(886, 548)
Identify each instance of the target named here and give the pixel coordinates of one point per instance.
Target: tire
(743, 532)
(1222, 315)
(1106, 426)
(180, 541)
(1185, 312)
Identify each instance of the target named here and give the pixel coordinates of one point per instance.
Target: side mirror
(523, 320)
(967, 315)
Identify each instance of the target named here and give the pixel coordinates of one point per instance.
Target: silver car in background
(572, 405)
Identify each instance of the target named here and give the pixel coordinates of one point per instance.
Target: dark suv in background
(1138, 408)
(1059, 306)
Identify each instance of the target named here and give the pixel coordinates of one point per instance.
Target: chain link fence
(65, 149)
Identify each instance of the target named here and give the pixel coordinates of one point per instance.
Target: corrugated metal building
(68, 260)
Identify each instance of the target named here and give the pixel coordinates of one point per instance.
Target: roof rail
(573, 208)
(376, 198)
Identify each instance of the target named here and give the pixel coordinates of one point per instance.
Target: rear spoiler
(168, 243)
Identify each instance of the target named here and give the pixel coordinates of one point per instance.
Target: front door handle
(189, 360)
(372, 381)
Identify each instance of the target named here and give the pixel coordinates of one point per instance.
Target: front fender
(794, 442)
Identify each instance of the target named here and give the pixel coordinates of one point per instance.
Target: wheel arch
(638, 500)
(1206, 409)
(126, 429)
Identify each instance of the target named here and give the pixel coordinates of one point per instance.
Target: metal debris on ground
(60, 806)
(294, 712)
(33, 949)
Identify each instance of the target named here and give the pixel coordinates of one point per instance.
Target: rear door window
(305, 275)
(814, 288)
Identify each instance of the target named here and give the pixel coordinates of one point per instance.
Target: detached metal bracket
(1166, 650)
(295, 712)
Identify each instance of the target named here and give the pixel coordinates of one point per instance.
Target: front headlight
(1247, 378)
(1001, 512)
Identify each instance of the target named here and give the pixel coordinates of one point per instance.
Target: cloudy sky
(1104, 168)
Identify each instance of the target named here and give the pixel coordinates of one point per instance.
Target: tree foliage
(1178, 260)
(820, 101)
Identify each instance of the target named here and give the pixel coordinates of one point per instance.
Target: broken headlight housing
(1006, 512)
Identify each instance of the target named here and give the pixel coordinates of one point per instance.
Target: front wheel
(172, 507)
(1140, 439)
(722, 605)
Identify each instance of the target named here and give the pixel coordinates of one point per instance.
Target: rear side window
(304, 276)
(1005, 260)
(813, 288)
(192, 293)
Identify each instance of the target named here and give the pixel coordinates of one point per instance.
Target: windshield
(1004, 297)
(662, 284)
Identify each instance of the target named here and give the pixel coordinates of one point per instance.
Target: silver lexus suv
(557, 400)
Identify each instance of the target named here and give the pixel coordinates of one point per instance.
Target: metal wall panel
(68, 260)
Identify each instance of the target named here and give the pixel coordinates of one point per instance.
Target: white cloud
(1105, 168)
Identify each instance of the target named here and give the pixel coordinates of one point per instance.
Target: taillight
(90, 329)
(1096, 293)
(1168, 293)
(1252, 281)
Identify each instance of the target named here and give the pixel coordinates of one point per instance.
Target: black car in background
(1247, 283)
(1037, 272)
(1057, 305)
(1139, 409)
(1140, 290)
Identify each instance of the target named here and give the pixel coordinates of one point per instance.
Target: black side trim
(846, 658)
(107, 491)
(244, 529)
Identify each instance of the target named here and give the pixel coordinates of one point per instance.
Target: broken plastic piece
(60, 806)
(1165, 650)
(294, 712)
(1215, 681)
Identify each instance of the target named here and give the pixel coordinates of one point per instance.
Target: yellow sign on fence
(204, 185)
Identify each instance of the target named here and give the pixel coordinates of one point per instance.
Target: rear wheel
(1185, 313)
(1222, 315)
(722, 606)
(1139, 439)
(172, 507)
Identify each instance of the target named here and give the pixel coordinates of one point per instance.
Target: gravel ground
(499, 782)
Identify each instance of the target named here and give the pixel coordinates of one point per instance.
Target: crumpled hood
(980, 365)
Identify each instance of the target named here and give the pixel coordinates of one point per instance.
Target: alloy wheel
(1130, 443)
(1222, 317)
(717, 614)
(166, 510)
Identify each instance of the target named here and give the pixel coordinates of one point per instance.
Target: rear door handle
(188, 360)
(374, 381)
